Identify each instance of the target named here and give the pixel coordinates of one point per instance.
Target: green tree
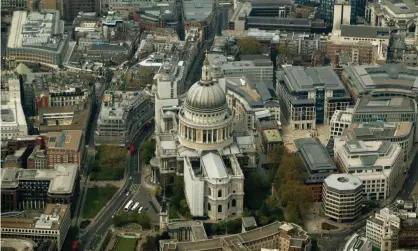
(147, 151)
(144, 220)
(146, 75)
(255, 189)
(249, 45)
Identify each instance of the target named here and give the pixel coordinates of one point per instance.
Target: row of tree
(123, 218)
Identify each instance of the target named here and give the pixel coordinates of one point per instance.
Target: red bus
(132, 150)
(75, 246)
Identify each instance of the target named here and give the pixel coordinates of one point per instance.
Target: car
(127, 194)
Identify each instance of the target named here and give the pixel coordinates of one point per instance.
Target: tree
(144, 220)
(255, 190)
(147, 151)
(249, 45)
(146, 75)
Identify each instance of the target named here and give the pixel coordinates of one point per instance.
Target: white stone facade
(383, 230)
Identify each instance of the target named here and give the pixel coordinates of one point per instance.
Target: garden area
(96, 199)
(123, 218)
(177, 204)
(126, 244)
(279, 195)
(109, 163)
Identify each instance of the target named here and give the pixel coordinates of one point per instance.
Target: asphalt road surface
(92, 236)
(411, 180)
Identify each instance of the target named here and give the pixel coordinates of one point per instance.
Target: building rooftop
(49, 220)
(11, 106)
(399, 7)
(301, 79)
(314, 155)
(62, 177)
(366, 78)
(67, 139)
(197, 10)
(343, 116)
(117, 104)
(395, 104)
(214, 166)
(272, 136)
(15, 244)
(379, 130)
(343, 182)
(196, 228)
(249, 222)
(238, 242)
(357, 242)
(41, 30)
(364, 31)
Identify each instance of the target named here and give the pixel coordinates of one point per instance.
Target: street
(91, 237)
(411, 180)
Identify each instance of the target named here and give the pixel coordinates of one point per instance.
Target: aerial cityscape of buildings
(209, 125)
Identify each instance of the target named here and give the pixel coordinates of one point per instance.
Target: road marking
(135, 187)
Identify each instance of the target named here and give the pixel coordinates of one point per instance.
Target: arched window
(220, 209)
(234, 203)
(209, 207)
(219, 193)
(210, 191)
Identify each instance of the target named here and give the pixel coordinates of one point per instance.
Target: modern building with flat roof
(376, 163)
(66, 146)
(342, 197)
(401, 133)
(122, 114)
(270, 139)
(53, 225)
(200, 14)
(13, 121)
(340, 120)
(36, 38)
(318, 164)
(310, 96)
(252, 101)
(33, 189)
(359, 243)
(283, 235)
(381, 80)
(399, 15)
(387, 109)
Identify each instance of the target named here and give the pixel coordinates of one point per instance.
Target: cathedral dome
(206, 96)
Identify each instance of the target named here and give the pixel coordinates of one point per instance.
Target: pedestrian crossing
(134, 187)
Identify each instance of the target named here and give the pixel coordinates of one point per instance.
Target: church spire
(206, 76)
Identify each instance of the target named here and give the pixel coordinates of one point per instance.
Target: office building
(381, 80)
(399, 15)
(159, 16)
(376, 163)
(258, 70)
(13, 121)
(9, 6)
(11, 146)
(122, 114)
(271, 139)
(37, 38)
(125, 8)
(38, 159)
(310, 96)
(342, 197)
(317, 168)
(383, 230)
(340, 120)
(32, 189)
(359, 243)
(52, 225)
(252, 101)
(277, 235)
(62, 89)
(408, 237)
(364, 44)
(64, 147)
(201, 15)
(336, 13)
(386, 109)
(401, 133)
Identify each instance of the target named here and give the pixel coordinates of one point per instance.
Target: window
(234, 203)
(210, 192)
(219, 193)
(220, 209)
(209, 207)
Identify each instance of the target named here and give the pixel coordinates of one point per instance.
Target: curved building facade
(205, 120)
(342, 197)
